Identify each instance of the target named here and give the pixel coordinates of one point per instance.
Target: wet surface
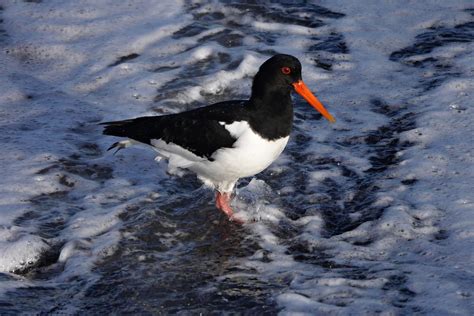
(176, 253)
(3, 32)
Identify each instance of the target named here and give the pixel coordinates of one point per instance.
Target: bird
(229, 140)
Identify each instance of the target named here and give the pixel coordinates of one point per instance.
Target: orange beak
(303, 91)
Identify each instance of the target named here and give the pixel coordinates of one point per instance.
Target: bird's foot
(223, 204)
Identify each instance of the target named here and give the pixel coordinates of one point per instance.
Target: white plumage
(249, 155)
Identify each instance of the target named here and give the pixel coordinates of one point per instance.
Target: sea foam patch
(370, 214)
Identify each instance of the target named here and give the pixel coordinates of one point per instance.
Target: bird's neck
(274, 106)
(271, 112)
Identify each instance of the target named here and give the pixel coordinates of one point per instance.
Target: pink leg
(223, 204)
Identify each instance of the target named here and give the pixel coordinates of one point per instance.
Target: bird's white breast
(249, 155)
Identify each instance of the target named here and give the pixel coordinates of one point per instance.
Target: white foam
(57, 78)
(403, 238)
(20, 250)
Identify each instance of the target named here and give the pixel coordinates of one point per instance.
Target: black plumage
(200, 131)
(269, 112)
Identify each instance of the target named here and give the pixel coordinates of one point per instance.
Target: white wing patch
(178, 157)
(236, 129)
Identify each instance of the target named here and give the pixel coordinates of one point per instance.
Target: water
(370, 215)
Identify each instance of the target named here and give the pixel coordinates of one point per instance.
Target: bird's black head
(277, 73)
(277, 77)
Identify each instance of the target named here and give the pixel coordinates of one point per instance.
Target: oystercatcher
(229, 140)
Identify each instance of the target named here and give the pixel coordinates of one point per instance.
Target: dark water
(178, 254)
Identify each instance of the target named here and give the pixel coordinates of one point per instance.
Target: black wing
(198, 131)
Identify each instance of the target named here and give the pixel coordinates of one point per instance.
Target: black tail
(141, 129)
(117, 128)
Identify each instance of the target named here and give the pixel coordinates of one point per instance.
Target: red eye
(286, 70)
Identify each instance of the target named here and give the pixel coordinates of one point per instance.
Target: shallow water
(372, 214)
